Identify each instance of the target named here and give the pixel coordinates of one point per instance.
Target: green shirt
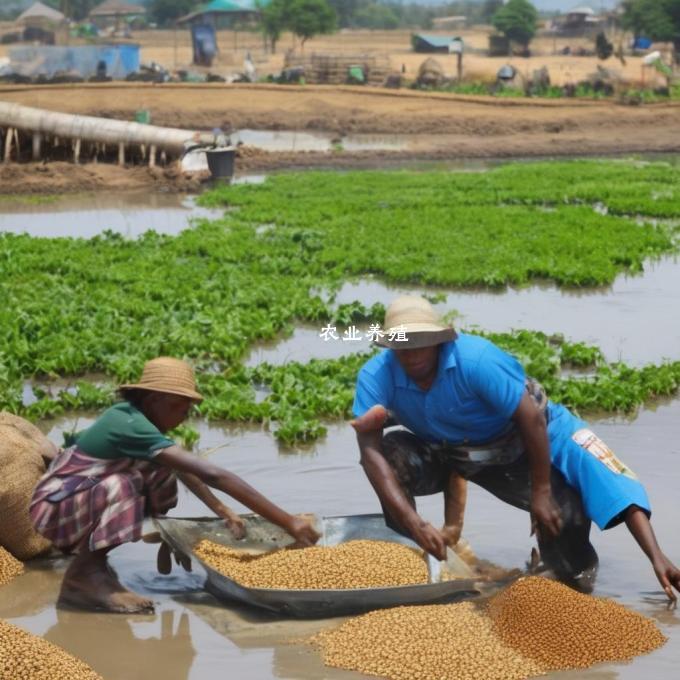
(122, 431)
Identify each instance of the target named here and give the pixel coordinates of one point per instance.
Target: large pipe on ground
(102, 130)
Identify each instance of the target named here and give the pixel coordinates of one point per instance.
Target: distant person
(122, 469)
(249, 69)
(469, 412)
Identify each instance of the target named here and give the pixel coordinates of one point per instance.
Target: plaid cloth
(97, 503)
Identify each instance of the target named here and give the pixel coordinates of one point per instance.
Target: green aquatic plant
(73, 307)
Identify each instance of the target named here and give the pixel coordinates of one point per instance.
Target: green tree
(307, 18)
(655, 19)
(166, 12)
(517, 21)
(273, 21)
(376, 16)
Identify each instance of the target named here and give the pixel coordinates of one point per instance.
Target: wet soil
(61, 177)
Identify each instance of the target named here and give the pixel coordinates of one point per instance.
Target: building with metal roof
(427, 43)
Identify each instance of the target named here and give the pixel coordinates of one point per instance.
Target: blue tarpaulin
(204, 43)
(48, 61)
(642, 44)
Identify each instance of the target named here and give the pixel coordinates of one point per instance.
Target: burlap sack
(21, 466)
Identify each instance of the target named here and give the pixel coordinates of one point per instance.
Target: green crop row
(301, 396)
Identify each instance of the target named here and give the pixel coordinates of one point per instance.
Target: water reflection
(633, 320)
(304, 344)
(85, 216)
(295, 141)
(134, 645)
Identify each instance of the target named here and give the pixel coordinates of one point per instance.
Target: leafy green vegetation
(74, 307)
(301, 396)
(582, 90)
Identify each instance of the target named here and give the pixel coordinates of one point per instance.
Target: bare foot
(88, 584)
(372, 420)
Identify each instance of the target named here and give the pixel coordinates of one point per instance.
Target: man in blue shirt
(469, 412)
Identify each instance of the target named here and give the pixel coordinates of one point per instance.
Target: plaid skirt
(86, 503)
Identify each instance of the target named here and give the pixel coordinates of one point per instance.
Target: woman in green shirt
(122, 469)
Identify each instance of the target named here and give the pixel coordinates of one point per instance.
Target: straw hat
(413, 318)
(168, 375)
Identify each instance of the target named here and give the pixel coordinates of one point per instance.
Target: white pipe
(104, 130)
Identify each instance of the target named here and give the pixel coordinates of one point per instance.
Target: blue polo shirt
(472, 400)
(476, 392)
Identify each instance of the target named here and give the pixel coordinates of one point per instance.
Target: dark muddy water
(194, 637)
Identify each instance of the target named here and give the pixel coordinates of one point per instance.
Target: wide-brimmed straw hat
(168, 375)
(412, 323)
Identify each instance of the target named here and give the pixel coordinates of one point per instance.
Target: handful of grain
(10, 567)
(27, 657)
(560, 628)
(533, 626)
(355, 564)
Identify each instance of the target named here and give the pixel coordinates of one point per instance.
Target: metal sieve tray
(184, 534)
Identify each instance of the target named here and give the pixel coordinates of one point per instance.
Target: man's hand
(429, 539)
(669, 577)
(372, 420)
(451, 534)
(546, 520)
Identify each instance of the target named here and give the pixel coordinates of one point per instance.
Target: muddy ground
(60, 177)
(448, 127)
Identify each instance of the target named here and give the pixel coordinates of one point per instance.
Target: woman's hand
(303, 532)
(233, 522)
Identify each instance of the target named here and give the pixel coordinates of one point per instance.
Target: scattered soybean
(27, 657)
(10, 567)
(532, 627)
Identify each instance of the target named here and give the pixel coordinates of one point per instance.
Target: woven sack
(21, 466)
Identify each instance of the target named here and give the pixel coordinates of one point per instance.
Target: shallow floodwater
(85, 216)
(293, 140)
(192, 636)
(636, 319)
